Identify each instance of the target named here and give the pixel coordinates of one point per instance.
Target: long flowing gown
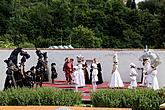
(155, 84)
(94, 73)
(81, 78)
(133, 75)
(146, 74)
(116, 80)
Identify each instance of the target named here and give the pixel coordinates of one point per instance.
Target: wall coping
(99, 49)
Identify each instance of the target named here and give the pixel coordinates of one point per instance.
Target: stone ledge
(57, 108)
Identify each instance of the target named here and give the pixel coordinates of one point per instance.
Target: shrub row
(137, 99)
(39, 96)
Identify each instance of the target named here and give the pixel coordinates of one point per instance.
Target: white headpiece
(79, 57)
(115, 58)
(132, 64)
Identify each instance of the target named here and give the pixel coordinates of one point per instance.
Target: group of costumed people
(78, 74)
(16, 74)
(150, 61)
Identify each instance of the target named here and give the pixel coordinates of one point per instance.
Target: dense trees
(82, 23)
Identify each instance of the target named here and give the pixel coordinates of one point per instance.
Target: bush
(39, 96)
(138, 99)
(6, 44)
(26, 45)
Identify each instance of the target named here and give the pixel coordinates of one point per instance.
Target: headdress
(132, 65)
(115, 58)
(79, 58)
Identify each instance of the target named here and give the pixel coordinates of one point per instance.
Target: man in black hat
(54, 73)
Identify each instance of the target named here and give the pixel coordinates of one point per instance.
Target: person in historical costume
(68, 70)
(43, 56)
(33, 74)
(28, 81)
(75, 77)
(14, 72)
(94, 74)
(53, 72)
(81, 78)
(147, 78)
(116, 80)
(40, 72)
(133, 74)
(154, 84)
(100, 79)
(99, 75)
(149, 58)
(46, 69)
(10, 80)
(85, 71)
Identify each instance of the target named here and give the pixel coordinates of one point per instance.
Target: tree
(5, 14)
(84, 38)
(151, 5)
(131, 39)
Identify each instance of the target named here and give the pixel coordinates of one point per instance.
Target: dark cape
(85, 73)
(54, 73)
(100, 79)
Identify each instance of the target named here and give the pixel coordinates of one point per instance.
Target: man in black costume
(14, 72)
(41, 68)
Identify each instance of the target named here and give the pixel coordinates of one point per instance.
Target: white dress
(94, 72)
(81, 78)
(155, 84)
(75, 75)
(116, 80)
(147, 78)
(133, 75)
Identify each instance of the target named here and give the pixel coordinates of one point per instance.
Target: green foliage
(84, 37)
(103, 23)
(42, 42)
(26, 45)
(5, 42)
(138, 99)
(39, 96)
(152, 6)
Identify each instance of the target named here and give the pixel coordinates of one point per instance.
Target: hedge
(137, 99)
(40, 96)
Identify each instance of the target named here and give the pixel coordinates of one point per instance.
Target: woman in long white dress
(81, 78)
(155, 84)
(94, 74)
(147, 77)
(116, 80)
